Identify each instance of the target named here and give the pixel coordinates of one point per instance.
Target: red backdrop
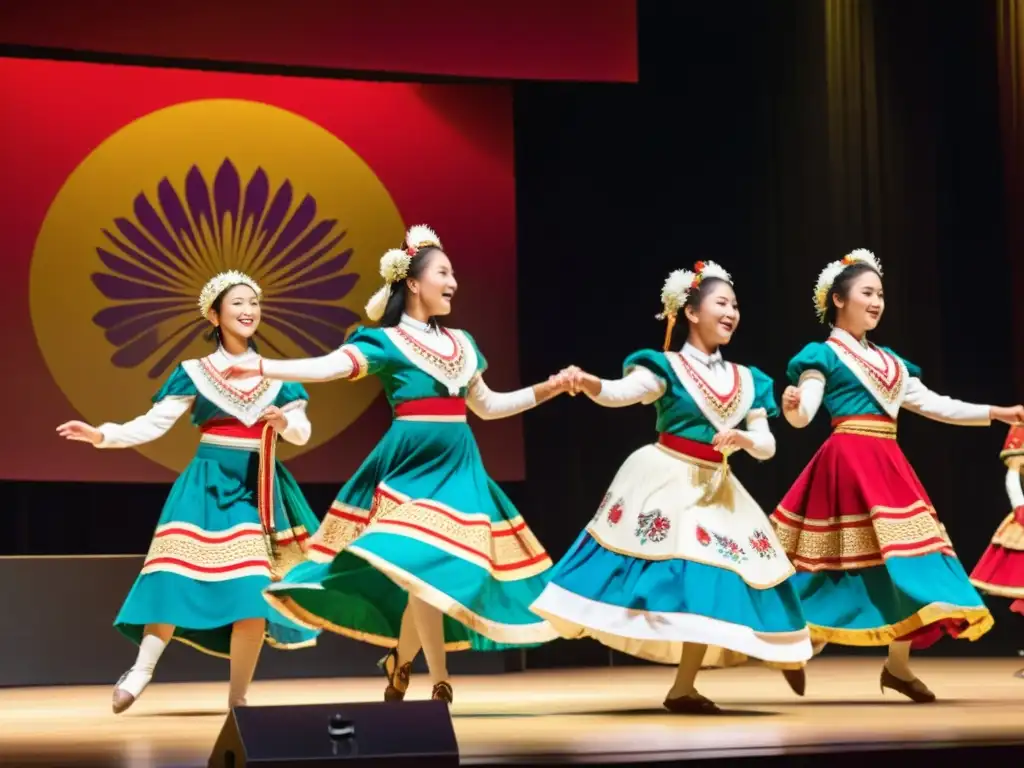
(513, 39)
(83, 144)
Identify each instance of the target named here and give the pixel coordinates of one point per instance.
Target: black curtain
(772, 137)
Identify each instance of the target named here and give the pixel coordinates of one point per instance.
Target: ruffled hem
(917, 599)
(658, 636)
(923, 629)
(166, 598)
(363, 593)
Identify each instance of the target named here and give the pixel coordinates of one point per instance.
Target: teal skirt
(421, 517)
(649, 608)
(907, 598)
(211, 556)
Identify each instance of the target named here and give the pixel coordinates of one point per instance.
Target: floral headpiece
(394, 266)
(677, 290)
(828, 276)
(220, 283)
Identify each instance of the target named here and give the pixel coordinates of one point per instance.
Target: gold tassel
(670, 323)
(717, 480)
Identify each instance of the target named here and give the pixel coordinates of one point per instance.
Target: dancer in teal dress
(875, 564)
(421, 548)
(679, 557)
(234, 521)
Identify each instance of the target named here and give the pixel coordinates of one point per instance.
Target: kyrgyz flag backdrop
(126, 188)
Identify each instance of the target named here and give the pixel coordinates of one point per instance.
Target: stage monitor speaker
(355, 735)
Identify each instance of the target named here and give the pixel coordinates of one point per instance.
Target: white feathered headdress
(394, 266)
(827, 278)
(677, 290)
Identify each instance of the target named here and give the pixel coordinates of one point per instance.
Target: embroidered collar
(232, 359)
(850, 340)
(885, 377)
(702, 357)
(419, 325)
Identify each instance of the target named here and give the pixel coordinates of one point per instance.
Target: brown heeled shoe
(443, 692)
(914, 689)
(693, 704)
(397, 675)
(797, 680)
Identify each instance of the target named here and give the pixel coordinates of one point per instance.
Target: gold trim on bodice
(453, 371)
(887, 383)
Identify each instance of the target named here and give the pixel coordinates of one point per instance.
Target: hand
(563, 381)
(586, 382)
(790, 398)
(275, 417)
(581, 381)
(1018, 515)
(244, 370)
(731, 440)
(79, 430)
(1009, 414)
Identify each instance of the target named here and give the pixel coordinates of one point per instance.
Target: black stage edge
(830, 756)
(835, 755)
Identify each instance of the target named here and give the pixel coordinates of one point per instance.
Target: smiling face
(716, 317)
(435, 285)
(860, 310)
(236, 312)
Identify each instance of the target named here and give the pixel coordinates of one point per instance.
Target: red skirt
(1000, 571)
(858, 502)
(856, 509)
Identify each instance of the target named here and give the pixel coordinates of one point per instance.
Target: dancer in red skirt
(1000, 571)
(874, 564)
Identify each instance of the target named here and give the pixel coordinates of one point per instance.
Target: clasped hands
(572, 380)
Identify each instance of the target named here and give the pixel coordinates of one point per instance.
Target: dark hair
(400, 290)
(841, 288)
(214, 334)
(693, 301)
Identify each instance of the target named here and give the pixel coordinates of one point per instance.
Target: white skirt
(662, 564)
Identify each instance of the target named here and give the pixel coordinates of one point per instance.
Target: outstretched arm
(145, 428)
(142, 429)
(641, 385)
(800, 404)
(342, 363)
(924, 402)
(488, 404)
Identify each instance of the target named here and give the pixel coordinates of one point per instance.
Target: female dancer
(679, 556)
(421, 548)
(234, 520)
(1000, 571)
(876, 566)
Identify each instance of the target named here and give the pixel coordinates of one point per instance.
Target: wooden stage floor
(573, 716)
